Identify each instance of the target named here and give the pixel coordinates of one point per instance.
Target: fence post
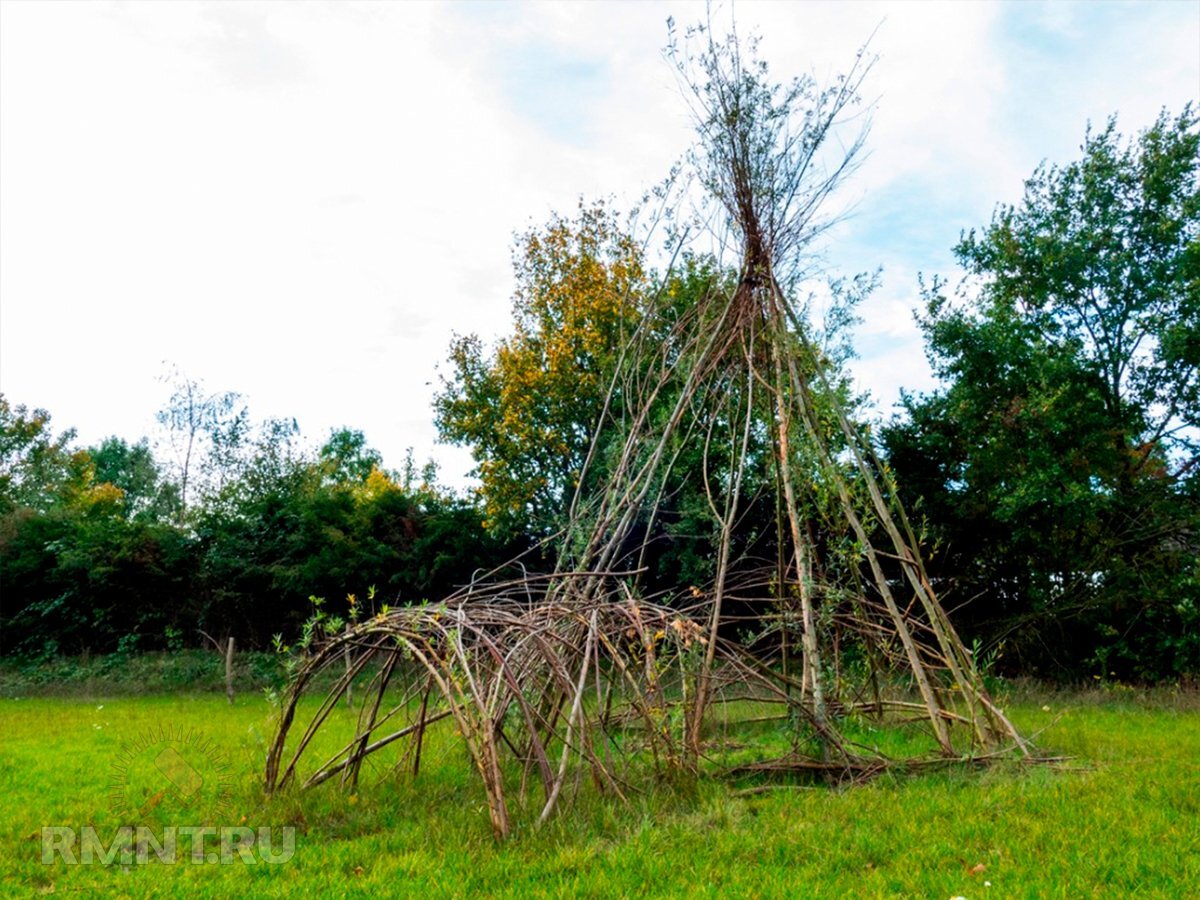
(229, 670)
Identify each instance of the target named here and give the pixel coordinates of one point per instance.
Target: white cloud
(302, 201)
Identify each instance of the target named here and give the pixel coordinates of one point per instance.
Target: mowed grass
(1125, 821)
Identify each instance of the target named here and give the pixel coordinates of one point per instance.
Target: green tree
(1058, 466)
(133, 469)
(346, 457)
(35, 464)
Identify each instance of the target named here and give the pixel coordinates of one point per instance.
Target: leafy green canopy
(1059, 464)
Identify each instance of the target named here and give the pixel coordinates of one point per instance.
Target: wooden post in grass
(229, 670)
(227, 650)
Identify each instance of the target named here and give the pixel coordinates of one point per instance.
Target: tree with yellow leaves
(529, 407)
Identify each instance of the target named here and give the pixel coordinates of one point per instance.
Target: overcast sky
(303, 201)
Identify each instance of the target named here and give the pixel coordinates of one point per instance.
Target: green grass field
(1124, 821)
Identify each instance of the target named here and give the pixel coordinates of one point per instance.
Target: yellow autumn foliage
(528, 409)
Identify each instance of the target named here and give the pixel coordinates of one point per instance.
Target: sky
(303, 202)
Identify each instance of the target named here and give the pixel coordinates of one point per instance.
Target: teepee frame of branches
(537, 670)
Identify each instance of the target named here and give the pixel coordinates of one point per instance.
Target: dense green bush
(97, 554)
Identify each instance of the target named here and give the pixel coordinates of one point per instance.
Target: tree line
(231, 532)
(1054, 474)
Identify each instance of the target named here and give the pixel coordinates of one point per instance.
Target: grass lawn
(1125, 823)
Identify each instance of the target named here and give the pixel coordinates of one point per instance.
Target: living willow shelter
(575, 675)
